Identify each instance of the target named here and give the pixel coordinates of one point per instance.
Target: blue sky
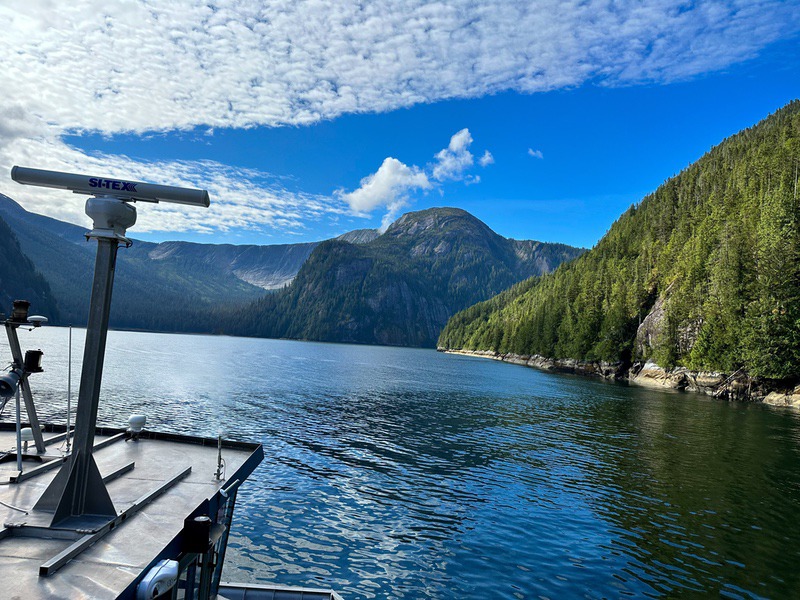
(542, 134)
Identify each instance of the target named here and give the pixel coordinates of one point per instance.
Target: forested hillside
(401, 287)
(704, 272)
(19, 280)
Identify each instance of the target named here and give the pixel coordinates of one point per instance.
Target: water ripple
(398, 473)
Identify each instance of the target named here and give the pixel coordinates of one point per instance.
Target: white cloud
(394, 182)
(535, 153)
(158, 65)
(487, 159)
(388, 187)
(455, 159)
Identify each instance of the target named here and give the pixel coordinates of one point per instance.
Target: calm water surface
(403, 473)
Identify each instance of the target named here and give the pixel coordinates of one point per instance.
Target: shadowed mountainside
(167, 286)
(19, 279)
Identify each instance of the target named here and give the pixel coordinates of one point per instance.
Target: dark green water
(398, 473)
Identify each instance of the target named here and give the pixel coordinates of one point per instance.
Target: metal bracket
(30, 408)
(63, 557)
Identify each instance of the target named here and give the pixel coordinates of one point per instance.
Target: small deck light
(26, 435)
(136, 424)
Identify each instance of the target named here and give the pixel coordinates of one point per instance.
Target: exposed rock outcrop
(791, 398)
(736, 386)
(651, 375)
(651, 327)
(566, 365)
(359, 236)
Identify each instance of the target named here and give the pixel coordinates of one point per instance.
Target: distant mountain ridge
(168, 286)
(401, 287)
(268, 267)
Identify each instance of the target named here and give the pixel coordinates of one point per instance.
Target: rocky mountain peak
(359, 236)
(437, 221)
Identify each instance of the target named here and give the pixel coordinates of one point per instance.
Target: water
(403, 473)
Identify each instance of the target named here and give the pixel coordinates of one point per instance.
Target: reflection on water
(401, 473)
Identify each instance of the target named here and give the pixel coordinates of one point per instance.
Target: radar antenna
(77, 494)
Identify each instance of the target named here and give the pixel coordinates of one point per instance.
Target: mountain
(398, 288)
(402, 286)
(703, 273)
(168, 286)
(19, 279)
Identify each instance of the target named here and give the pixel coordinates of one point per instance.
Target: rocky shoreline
(733, 386)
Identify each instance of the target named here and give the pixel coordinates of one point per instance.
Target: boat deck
(115, 560)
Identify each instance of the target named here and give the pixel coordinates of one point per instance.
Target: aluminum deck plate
(108, 567)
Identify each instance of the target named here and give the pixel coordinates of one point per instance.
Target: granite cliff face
(359, 236)
(401, 287)
(268, 267)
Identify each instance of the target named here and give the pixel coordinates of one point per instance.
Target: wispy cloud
(535, 153)
(244, 199)
(455, 159)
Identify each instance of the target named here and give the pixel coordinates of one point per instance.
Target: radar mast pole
(78, 489)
